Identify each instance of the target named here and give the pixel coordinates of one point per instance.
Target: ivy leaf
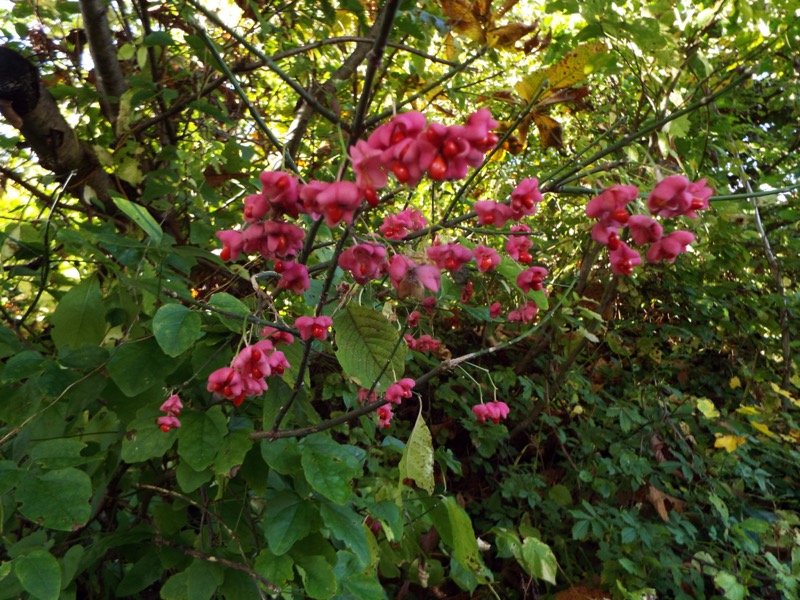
(57, 500)
(538, 560)
(366, 342)
(39, 574)
(417, 461)
(176, 328)
(80, 317)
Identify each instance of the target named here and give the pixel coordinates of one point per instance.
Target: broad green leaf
(57, 499)
(454, 525)
(58, 454)
(417, 461)
(330, 467)
(730, 586)
(347, 526)
(204, 579)
(366, 342)
(538, 560)
(232, 452)
(39, 574)
(136, 212)
(232, 311)
(282, 454)
(146, 571)
(80, 317)
(176, 328)
(276, 569)
(139, 365)
(287, 519)
(317, 575)
(200, 436)
(144, 440)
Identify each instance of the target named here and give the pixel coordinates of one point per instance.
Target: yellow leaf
(568, 71)
(762, 428)
(705, 406)
(734, 383)
(466, 17)
(748, 410)
(779, 390)
(729, 442)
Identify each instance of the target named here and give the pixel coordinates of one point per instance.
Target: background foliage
(652, 445)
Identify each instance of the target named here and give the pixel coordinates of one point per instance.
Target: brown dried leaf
(506, 36)
(663, 502)
(550, 131)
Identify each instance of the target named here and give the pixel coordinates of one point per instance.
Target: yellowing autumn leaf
(729, 442)
(476, 20)
(571, 69)
(748, 410)
(734, 383)
(706, 406)
(763, 428)
(550, 131)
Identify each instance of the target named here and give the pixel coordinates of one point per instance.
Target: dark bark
(37, 116)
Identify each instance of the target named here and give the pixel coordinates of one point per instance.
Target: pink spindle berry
(670, 246)
(397, 391)
(492, 213)
(493, 411)
(531, 279)
(495, 310)
(168, 422)
(364, 261)
(313, 327)
(294, 277)
(486, 258)
(385, 416)
(172, 405)
(623, 259)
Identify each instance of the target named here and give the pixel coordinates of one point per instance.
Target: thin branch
(110, 80)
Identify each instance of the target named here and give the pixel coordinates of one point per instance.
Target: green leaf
(137, 213)
(146, 571)
(200, 436)
(330, 467)
(144, 440)
(287, 519)
(317, 574)
(276, 569)
(282, 454)
(417, 461)
(203, 579)
(454, 525)
(538, 560)
(236, 311)
(176, 328)
(58, 454)
(347, 526)
(57, 500)
(39, 573)
(728, 584)
(232, 452)
(80, 317)
(366, 342)
(137, 366)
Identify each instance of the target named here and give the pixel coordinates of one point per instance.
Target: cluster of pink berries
(246, 376)
(493, 411)
(173, 407)
(394, 395)
(672, 197)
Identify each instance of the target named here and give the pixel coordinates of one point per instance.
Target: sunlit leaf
(550, 131)
(570, 70)
(729, 442)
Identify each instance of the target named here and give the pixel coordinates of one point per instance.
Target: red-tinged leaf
(567, 96)
(467, 18)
